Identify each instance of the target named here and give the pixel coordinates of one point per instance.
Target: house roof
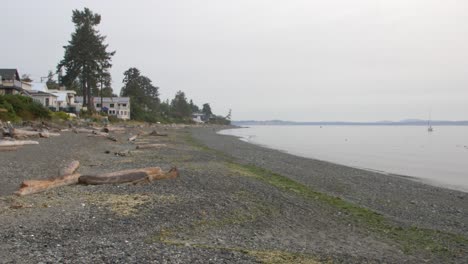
(9, 74)
(121, 100)
(38, 86)
(62, 95)
(40, 93)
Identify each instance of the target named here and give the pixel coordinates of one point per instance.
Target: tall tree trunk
(90, 97)
(83, 87)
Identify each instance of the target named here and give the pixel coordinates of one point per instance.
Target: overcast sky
(309, 60)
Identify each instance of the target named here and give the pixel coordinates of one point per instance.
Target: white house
(198, 117)
(60, 99)
(115, 106)
(65, 98)
(46, 99)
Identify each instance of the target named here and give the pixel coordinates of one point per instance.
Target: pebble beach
(233, 202)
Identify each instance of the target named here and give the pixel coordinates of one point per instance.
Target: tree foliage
(206, 110)
(86, 57)
(144, 96)
(26, 78)
(180, 108)
(51, 83)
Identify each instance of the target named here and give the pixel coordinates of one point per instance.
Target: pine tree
(180, 108)
(86, 57)
(143, 94)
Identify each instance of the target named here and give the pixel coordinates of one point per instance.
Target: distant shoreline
(342, 123)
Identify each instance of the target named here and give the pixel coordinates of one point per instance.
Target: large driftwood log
(12, 143)
(150, 146)
(144, 175)
(102, 134)
(21, 133)
(114, 129)
(67, 178)
(36, 186)
(134, 176)
(83, 130)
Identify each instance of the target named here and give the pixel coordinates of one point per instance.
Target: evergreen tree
(51, 83)
(207, 110)
(26, 78)
(194, 107)
(180, 108)
(143, 94)
(86, 57)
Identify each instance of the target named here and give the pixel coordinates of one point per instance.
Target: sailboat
(429, 126)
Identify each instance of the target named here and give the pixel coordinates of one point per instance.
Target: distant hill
(406, 122)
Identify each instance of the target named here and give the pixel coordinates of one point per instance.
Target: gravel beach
(233, 203)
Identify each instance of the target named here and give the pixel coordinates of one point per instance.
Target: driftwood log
(133, 138)
(150, 146)
(13, 143)
(83, 130)
(36, 186)
(21, 133)
(134, 176)
(102, 134)
(144, 175)
(156, 133)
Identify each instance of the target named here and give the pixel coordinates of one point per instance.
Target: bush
(21, 107)
(61, 115)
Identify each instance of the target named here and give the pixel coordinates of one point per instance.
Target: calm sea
(439, 158)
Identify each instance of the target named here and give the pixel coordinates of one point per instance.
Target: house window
(111, 105)
(98, 105)
(124, 105)
(47, 102)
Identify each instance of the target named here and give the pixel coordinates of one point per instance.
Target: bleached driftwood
(149, 146)
(113, 128)
(133, 175)
(36, 186)
(83, 130)
(133, 138)
(11, 143)
(22, 133)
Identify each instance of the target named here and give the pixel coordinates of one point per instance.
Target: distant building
(46, 99)
(62, 100)
(65, 100)
(114, 106)
(198, 117)
(10, 82)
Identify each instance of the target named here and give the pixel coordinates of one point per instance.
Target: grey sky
(351, 60)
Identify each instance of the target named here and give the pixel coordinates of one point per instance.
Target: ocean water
(439, 158)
